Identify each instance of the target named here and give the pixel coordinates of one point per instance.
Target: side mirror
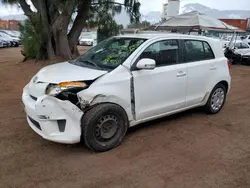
(147, 64)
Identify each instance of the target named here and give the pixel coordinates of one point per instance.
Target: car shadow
(161, 121)
(81, 148)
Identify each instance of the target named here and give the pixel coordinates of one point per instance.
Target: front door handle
(181, 74)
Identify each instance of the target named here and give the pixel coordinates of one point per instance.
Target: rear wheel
(216, 99)
(104, 127)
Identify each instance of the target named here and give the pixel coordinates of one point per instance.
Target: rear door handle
(181, 74)
(213, 67)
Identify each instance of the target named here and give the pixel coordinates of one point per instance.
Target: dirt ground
(189, 150)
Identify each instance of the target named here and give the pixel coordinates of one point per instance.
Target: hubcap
(217, 99)
(106, 128)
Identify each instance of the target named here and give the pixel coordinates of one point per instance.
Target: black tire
(209, 109)
(104, 127)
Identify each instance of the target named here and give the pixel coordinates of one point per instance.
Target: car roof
(169, 35)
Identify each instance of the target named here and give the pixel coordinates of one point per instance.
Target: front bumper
(86, 43)
(245, 60)
(53, 119)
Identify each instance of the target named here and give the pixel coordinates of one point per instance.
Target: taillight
(228, 63)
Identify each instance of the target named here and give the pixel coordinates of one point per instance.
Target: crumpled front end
(53, 119)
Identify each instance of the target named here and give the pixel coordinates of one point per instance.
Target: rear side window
(244, 45)
(237, 45)
(208, 51)
(197, 51)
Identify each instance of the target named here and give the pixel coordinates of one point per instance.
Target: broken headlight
(55, 89)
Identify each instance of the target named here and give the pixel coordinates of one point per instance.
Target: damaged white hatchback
(122, 82)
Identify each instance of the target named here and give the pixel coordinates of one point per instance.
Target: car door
(244, 48)
(200, 69)
(238, 48)
(163, 89)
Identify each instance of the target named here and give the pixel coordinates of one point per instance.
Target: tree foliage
(55, 17)
(142, 24)
(107, 28)
(30, 38)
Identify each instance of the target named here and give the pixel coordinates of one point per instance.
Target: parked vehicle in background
(13, 35)
(5, 42)
(1, 44)
(247, 39)
(122, 82)
(239, 47)
(13, 41)
(245, 59)
(237, 52)
(87, 40)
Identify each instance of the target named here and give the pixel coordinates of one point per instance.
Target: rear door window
(208, 51)
(196, 50)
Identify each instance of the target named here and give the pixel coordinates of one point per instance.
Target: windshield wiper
(90, 62)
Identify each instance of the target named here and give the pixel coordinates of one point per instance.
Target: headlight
(55, 89)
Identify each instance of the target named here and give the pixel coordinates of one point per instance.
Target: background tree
(30, 38)
(107, 28)
(143, 24)
(102, 17)
(55, 16)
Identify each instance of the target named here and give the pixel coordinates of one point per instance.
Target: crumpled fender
(88, 99)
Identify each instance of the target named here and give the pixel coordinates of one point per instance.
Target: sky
(156, 5)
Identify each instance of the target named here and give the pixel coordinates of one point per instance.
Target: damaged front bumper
(53, 119)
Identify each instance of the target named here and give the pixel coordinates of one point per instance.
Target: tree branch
(63, 18)
(35, 3)
(121, 4)
(26, 8)
(83, 10)
(69, 7)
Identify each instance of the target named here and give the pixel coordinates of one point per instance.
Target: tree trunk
(79, 22)
(55, 40)
(60, 30)
(61, 43)
(46, 31)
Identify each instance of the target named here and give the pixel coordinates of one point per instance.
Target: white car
(247, 39)
(122, 82)
(239, 47)
(87, 40)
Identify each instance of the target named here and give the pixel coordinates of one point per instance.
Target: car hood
(63, 72)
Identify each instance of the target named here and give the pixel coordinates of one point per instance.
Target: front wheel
(216, 99)
(104, 127)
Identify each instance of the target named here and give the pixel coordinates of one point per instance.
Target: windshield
(87, 36)
(109, 54)
(11, 34)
